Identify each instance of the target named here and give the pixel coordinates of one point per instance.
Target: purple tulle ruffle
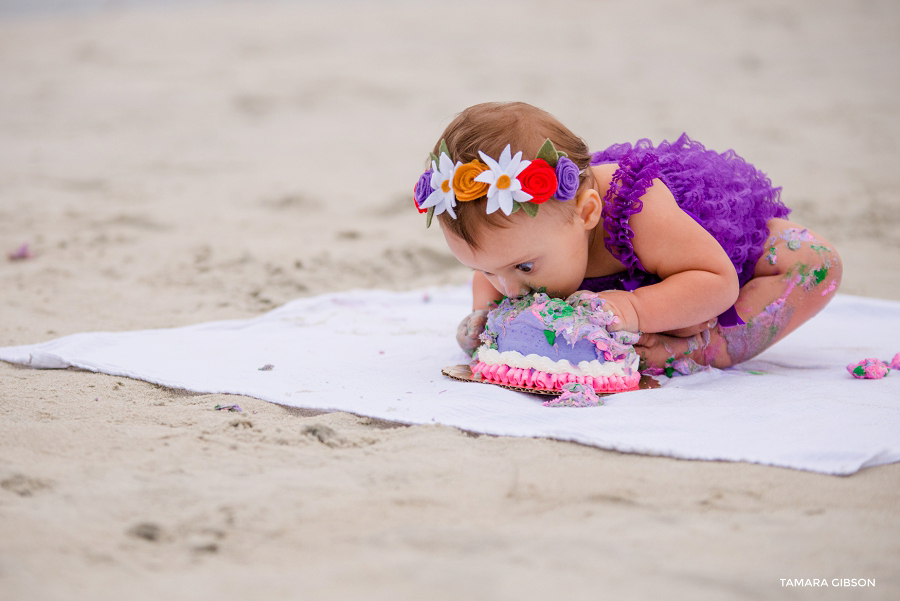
(722, 192)
(635, 174)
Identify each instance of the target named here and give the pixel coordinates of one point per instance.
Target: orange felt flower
(464, 185)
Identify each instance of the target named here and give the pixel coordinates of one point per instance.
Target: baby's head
(518, 250)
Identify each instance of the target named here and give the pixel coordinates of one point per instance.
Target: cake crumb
(575, 395)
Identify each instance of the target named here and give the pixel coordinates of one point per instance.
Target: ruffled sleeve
(635, 174)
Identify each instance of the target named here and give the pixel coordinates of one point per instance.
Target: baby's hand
(616, 301)
(470, 328)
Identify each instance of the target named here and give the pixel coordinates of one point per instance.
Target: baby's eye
(525, 267)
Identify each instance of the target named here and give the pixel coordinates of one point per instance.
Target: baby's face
(534, 253)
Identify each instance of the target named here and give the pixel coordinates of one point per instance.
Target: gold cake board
(463, 373)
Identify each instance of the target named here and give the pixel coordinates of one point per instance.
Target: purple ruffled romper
(728, 196)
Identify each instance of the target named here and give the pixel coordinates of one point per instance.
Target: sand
(176, 165)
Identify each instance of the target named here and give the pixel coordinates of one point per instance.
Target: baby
(690, 247)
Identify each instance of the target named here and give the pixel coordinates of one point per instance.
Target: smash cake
(548, 343)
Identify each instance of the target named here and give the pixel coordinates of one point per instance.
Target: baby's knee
(821, 269)
(795, 278)
(835, 270)
(806, 259)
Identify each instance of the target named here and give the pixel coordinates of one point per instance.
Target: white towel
(380, 354)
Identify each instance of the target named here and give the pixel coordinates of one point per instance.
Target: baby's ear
(589, 207)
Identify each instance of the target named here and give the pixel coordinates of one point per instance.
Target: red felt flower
(539, 180)
(416, 199)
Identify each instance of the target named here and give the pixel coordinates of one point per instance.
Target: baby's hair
(489, 127)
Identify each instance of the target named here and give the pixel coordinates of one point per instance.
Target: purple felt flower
(423, 188)
(568, 177)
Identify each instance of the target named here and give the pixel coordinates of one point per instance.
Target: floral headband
(509, 183)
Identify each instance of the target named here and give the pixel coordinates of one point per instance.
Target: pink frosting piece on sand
(869, 369)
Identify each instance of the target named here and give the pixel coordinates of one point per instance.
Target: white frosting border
(595, 368)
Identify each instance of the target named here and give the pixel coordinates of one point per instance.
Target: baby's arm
(484, 297)
(793, 280)
(699, 280)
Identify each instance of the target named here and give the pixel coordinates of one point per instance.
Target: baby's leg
(794, 279)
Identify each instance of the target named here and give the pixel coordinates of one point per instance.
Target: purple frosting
(525, 334)
(423, 188)
(568, 178)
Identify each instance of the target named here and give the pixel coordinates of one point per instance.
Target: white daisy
(442, 197)
(501, 177)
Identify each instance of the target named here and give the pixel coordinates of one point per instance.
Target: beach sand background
(169, 165)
